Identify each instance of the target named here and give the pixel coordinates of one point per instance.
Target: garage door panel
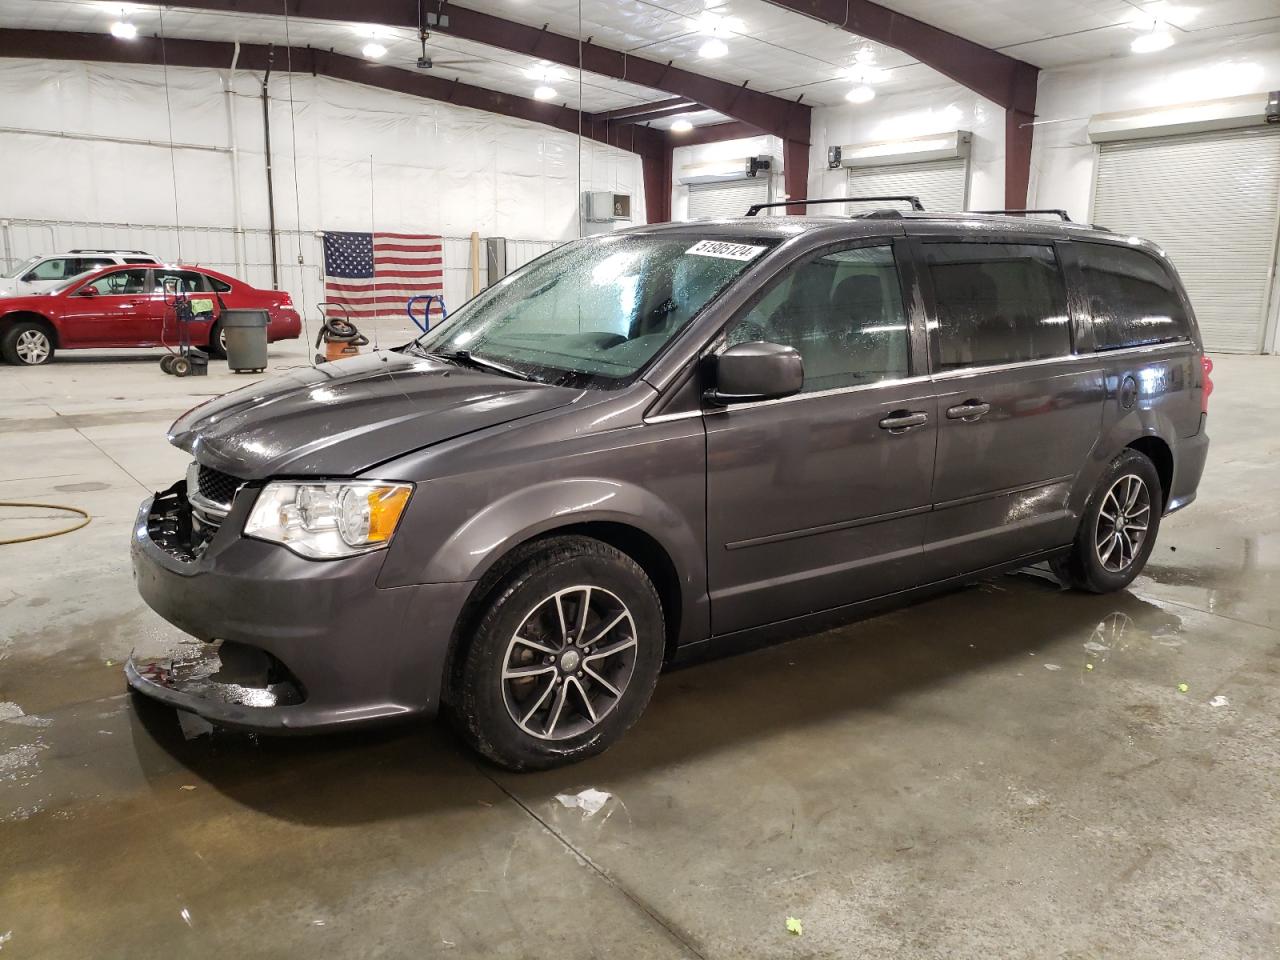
(941, 185)
(731, 198)
(1211, 202)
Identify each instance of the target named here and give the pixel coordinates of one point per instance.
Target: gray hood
(342, 418)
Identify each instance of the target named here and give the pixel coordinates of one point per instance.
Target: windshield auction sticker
(725, 250)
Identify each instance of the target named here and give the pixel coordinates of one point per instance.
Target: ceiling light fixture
(124, 30)
(717, 29)
(545, 72)
(1158, 39)
(713, 49)
(373, 50)
(544, 93)
(860, 94)
(681, 126)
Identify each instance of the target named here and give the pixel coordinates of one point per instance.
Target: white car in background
(43, 272)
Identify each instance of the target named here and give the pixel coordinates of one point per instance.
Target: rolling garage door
(941, 185)
(1211, 201)
(729, 198)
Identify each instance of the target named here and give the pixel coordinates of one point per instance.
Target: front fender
(523, 514)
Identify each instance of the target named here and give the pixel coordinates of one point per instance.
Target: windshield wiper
(467, 359)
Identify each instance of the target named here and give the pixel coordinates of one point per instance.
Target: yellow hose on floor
(45, 506)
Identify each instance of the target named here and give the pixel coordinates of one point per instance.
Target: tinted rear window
(1131, 297)
(997, 303)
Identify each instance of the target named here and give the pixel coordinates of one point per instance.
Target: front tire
(563, 655)
(1118, 530)
(217, 341)
(27, 344)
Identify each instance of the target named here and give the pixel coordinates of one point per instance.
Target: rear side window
(843, 312)
(997, 303)
(1131, 296)
(178, 281)
(220, 285)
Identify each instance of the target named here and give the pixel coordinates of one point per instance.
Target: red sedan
(133, 306)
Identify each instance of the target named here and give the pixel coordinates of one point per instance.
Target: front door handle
(900, 421)
(969, 410)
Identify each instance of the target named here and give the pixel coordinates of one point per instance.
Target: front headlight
(324, 521)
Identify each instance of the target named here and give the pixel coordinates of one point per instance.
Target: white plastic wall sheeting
(905, 116)
(1062, 158)
(1064, 162)
(366, 159)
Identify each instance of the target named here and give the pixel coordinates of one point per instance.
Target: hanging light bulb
(713, 48)
(860, 94)
(681, 126)
(544, 93)
(124, 30)
(373, 50)
(1157, 39)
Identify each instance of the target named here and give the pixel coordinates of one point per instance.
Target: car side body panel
(144, 319)
(523, 480)
(634, 465)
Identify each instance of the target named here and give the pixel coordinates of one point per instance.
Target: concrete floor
(948, 780)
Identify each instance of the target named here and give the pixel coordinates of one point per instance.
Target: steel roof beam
(214, 54)
(651, 145)
(996, 76)
(644, 112)
(777, 115)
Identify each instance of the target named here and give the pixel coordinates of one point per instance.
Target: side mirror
(86, 292)
(756, 371)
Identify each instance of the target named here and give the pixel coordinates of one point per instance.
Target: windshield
(13, 272)
(595, 311)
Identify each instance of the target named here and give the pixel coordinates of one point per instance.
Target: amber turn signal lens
(386, 504)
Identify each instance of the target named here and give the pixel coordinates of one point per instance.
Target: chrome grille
(216, 486)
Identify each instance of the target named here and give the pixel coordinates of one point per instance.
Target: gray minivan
(671, 439)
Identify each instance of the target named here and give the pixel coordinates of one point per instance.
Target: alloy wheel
(33, 346)
(1122, 523)
(569, 662)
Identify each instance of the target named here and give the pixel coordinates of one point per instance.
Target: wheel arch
(641, 546)
(1156, 449)
(17, 316)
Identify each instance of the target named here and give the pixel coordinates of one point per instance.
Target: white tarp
(367, 159)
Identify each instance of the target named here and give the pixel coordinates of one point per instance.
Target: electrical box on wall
(605, 207)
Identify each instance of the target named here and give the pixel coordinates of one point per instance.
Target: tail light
(1206, 367)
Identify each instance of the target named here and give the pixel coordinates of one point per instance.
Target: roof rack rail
(1056, 211)
(757, 207)
(105, 250)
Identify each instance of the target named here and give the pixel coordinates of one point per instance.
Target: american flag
(375, 274)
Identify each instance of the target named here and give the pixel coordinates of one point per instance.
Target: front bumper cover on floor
(355, 652)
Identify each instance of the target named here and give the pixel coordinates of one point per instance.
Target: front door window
(843, 312)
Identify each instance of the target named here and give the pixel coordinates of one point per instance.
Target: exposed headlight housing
(329, 519)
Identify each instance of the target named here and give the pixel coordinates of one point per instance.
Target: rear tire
(166, 363)
(562, 656)
(1118, 530)
(180, 367)
(217, 342)
(27, 344)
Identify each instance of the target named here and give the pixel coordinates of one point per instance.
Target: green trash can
(246, 332)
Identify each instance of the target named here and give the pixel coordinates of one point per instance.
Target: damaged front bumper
(288, 644)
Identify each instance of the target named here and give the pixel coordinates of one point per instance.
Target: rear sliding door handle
(969, 410)
(900, 421)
